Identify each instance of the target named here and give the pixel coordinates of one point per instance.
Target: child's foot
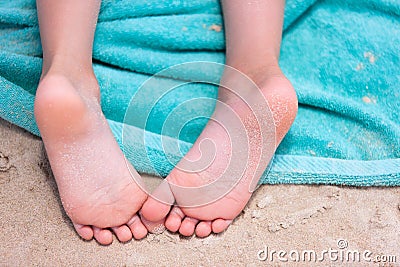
(96, 188)
(216, 216)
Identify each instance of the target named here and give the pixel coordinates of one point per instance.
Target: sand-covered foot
(95, 185)
(238, 133)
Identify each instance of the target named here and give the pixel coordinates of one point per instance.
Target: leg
(253, 35)
(95, 185)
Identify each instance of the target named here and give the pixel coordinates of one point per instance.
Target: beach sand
(36, 231)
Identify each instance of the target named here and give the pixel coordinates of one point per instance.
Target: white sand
(35, 230)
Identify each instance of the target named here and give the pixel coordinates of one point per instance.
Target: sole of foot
(98, 188)
(216, 216)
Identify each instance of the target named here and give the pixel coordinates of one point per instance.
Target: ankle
(272, 83)
(259, 69)
(67, 62)
(81, 76)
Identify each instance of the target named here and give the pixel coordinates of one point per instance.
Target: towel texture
(342, 57)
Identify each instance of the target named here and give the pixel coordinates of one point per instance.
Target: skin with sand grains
(79, 142)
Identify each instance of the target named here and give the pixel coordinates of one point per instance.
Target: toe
(138, 230)
(188, 225)
(220, 225)
(153, 227)
(103, 236)
(203, 229)
(84, 231)
(154, 210)
(123, 233)
(158, 205)
(174, 219)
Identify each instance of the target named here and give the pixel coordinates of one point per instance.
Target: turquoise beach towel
(342, 57)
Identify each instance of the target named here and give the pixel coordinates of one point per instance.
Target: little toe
(220, 225)
(203, 229)
(188, 225)
(84, 231)
(174, 219)
(138, 230)
(103, 236)
(123, 233)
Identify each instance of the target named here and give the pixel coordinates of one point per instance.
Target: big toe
(154, 211)
(158, 204)
(153, 227)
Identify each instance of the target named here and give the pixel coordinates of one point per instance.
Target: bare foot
(215, 216)
(96, 188)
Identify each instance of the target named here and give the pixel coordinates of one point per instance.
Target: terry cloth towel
(342, 57)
